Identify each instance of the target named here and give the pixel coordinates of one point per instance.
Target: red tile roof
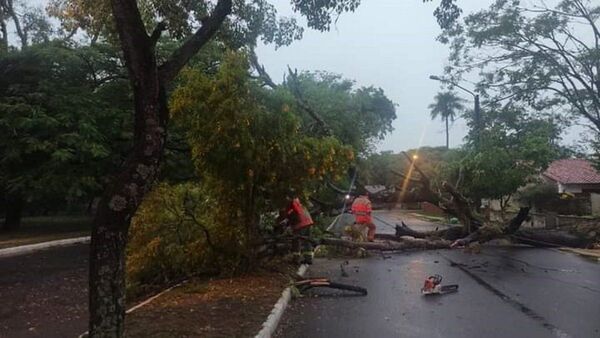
(573, 171)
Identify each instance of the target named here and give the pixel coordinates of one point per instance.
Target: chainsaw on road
(433, 286)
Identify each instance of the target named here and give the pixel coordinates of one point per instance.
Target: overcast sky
(385, 43)
(388, 44)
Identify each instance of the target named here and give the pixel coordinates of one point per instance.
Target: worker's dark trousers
(302, 249)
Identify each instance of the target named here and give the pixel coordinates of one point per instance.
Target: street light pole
(476, 109)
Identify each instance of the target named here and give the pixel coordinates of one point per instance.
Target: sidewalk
(588, 253)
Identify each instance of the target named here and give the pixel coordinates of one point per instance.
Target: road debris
(342, 270)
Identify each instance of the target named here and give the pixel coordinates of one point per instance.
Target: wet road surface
(44, 294)
(504, 292)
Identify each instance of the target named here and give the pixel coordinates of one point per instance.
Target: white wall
(571, 188)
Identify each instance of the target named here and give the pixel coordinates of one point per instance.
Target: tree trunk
(451, 233)
(14, 211)
(107, 281)
(120, 202)
(111, 224)
(447, 134)
(122, 199)
(389, 245)
(4, 32)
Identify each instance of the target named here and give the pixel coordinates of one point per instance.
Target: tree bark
(447, 134)
(122, 199)
(389, 245)
(10, 9)
(451, 233)
(4, 32)
(14, 212)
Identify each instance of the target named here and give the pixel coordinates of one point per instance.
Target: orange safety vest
(299, 217)
(361, 208)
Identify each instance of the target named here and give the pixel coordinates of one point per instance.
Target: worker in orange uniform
(300, 221)
(361, 208)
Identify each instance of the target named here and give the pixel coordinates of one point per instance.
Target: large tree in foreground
(149, 81)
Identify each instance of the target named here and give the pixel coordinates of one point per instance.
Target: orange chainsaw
(433, 286)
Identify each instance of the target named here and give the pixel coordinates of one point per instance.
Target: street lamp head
(415, 156)
(435, 77)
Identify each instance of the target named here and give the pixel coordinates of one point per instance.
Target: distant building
(375, 189)
(573, 188)
(574, 176)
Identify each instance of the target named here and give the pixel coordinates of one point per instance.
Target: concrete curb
(587, 253)
(25, 249)
(270, 325)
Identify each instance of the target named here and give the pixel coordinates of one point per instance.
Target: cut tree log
(451, 233)
(389, 245)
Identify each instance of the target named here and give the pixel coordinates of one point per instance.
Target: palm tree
(446, 105)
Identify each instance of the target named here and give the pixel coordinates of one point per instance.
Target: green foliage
(247, 143)
(538, 194)
(252, 20)
(357, 117)
(543, 58)
(59, 121)
(446, 105)
(168, 238)
(506, 154)
(380, 168)
(320, 14)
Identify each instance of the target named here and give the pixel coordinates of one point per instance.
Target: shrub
(174, 235)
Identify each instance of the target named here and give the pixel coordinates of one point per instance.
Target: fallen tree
(389, 244)
(473, 227)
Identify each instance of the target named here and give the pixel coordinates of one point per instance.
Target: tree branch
(132, 33)
(262, 73)
(405, 177)
(294, 88)
(16, 21)
(161, 27)
(180, 57)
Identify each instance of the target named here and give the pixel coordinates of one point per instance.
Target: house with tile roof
(574, 176)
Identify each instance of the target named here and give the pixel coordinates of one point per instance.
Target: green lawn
(430, 218)
(46, 228)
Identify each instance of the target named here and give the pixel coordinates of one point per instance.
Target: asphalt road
(44, 294)
(504, 292)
